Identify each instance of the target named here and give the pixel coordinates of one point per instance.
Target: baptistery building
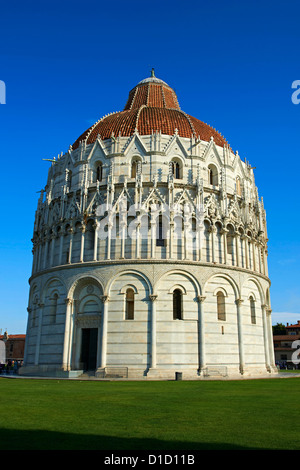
(149, 252)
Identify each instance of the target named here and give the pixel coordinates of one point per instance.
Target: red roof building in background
(285, 346)
(14, 345)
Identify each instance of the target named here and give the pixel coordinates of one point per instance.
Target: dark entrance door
(89, 348)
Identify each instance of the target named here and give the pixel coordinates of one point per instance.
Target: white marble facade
(113, 295)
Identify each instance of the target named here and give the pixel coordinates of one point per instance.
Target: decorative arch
(220, 289)
(228, 278)
(135, 161)
(252, 295)
(124, 272)
(33, 293)
(259, 287)
(213, 175)
(81, 282)
(54, 289)
(177, 167)
(177, 286)
(129, 286)
(183, 273)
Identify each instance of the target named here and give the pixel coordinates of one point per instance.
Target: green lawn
(171, 415)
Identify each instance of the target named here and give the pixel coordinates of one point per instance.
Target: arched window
(129, 312)
(177, 304)
(252, 311)
(238, 186)
(135, 167)
(160, 241)
(176, 169)
(221, 306)
(69, 179)
(53, 312)
(213, 175)
(99, 172)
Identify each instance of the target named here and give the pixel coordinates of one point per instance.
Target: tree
(279, 329)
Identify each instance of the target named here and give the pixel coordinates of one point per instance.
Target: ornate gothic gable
(212, 207)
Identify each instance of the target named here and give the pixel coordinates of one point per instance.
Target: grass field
(171, 415)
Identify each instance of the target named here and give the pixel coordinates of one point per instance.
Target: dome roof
(152, 106)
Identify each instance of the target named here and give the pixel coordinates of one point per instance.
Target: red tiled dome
(151, 106)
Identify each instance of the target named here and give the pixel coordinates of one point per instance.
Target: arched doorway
(87, 315)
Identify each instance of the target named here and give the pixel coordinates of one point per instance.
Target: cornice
(137, 261)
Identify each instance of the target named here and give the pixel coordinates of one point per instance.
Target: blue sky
(67, 63)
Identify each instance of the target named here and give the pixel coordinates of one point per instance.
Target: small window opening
(177, 304)
(160, 237)
(221, 306)
(99, 172)
(176, 170)
(129, 314)
(252, 311)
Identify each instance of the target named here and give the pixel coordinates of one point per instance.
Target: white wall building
(150, 252)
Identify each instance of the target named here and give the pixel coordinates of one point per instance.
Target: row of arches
(140, 322)
(214, 179)
(150, 237)
(176, 169)
(130, 299)
(55, 286)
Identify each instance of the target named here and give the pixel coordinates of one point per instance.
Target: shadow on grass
(48, 440)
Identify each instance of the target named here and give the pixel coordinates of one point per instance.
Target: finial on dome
(152, 72)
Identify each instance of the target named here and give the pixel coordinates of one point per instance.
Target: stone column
(52, 250)
(196, 244)
(83, 228)
(246, 252)
(213, 231)
(237, 240)
(105, 300)
(253, 255)
(259, 257)
(61, 243)
(185, 240)
(78, 341)
(123, 238)
(153, 331)
(29, 310)
(240, 335)
(270, 337)
(266, 337)
(71, 232)
(109, 227)
(45, 252)
(224, 233)
(137, 240)
(66, 362)
(265, 251)
(153, 237)
(95, 227)
(171, 243)
(38, 336)
(201, 334)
